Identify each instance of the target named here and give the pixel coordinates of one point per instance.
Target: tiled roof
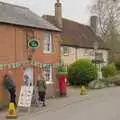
(23, 16)
(76, 34)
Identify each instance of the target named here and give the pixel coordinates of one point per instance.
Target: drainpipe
(15, 57)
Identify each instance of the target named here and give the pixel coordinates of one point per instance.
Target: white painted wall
(71, 57)
(82, 53)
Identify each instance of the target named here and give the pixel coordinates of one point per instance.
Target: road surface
(106, 106)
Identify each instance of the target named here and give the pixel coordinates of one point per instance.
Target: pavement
(76, 105)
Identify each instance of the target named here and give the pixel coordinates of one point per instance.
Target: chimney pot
(58, 14)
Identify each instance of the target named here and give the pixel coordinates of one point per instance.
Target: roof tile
(23, 16)
(76, 34)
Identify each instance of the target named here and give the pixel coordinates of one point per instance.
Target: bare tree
(108, 12)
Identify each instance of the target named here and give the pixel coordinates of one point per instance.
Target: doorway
(28, 76)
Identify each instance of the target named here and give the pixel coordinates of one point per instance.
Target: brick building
(18, 25)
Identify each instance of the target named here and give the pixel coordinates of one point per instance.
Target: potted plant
(62, 77)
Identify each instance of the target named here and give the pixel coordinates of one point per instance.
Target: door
(28, 76)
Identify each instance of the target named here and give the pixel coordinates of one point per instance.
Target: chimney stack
(93, 23)
(58, 14)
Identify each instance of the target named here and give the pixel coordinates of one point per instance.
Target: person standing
(41, 84)
(10, 86)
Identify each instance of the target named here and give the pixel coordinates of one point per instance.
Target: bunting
(25, 63)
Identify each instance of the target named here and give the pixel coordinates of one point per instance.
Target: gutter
(13, 24)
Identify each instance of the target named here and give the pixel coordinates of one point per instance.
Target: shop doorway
(28, 76)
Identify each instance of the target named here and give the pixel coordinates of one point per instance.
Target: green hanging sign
(33, 43)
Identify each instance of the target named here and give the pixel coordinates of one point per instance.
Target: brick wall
(13, 49)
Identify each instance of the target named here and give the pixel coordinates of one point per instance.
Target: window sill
(47, 52)
(49, 83)
(66, 54)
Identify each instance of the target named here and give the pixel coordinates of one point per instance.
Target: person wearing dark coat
(10, 86)
(41, 84)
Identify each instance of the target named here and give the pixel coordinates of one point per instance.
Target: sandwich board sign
(25, 96)
(26, 92)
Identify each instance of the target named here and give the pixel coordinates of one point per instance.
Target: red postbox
(62, 85)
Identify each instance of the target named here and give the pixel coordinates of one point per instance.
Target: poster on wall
(26, 92)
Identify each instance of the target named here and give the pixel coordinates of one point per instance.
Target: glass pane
(65, 50)
(47, 72)
(47, 42)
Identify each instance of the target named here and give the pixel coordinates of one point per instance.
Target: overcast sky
(77, 10)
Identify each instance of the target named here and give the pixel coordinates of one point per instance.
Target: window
(47, 70)
(65, 51)
(99, 56)
(47, 42)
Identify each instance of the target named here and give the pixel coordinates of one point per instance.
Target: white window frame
(49, 35)
(50, 81)
(67, 53)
